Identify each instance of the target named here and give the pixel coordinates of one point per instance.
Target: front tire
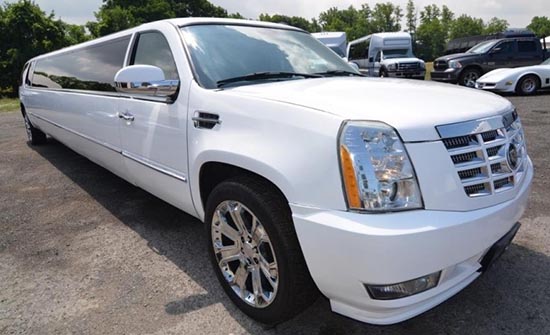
(528, 85)
(468, 77)
(255, 251)
(34, 135)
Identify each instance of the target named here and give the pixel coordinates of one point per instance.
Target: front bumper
(345, 250)
(419, 74)
(495, 87)
(445, 76)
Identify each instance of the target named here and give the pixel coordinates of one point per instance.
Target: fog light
(509, 83)
(404, 289)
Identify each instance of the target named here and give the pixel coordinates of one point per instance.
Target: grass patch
(429, 69)
(9, 105)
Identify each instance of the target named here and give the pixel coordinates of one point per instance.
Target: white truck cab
(386, 55)
(308, 177)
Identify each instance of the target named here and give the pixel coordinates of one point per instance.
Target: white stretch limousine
(309, 177)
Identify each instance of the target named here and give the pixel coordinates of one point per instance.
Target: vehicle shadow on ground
(508, 299)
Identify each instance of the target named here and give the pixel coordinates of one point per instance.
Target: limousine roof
(178, 22)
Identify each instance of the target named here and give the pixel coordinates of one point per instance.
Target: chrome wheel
(244, 254)
(528, 85)
(28, 128)
(470, 78)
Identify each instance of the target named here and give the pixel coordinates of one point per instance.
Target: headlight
(392, 67)
(376, 170)
(423, 65)
(454, 64)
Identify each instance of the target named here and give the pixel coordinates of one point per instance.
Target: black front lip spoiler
(498, 248)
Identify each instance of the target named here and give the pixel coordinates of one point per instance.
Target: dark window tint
(505, 47)
(153, 49)
(359, 50)
(92, 68)
(527, 46)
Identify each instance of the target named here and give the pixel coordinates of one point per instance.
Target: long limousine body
(308, 177)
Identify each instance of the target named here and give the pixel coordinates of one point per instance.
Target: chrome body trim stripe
(477, 126)
(91, 139)
(155, 166)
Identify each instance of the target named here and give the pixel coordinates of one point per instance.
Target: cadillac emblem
(512, 157)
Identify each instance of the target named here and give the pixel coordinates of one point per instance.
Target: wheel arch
(212, 172)
(525, 74)
(473, 66)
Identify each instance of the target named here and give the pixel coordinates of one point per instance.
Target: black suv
(514, 50)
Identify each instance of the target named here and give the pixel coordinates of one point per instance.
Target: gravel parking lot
(82, 251)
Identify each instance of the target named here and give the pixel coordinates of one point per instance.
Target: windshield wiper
(335, 73)
(264, 75)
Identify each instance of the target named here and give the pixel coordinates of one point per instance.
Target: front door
(154, 132)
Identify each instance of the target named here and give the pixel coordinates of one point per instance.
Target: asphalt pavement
(84, 252)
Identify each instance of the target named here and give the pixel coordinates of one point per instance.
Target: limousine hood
(414, 108)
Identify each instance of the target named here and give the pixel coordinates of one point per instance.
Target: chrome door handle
(126, 116)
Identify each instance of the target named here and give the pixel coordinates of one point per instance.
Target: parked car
(466, 68)
(307, 176)
(522, 80)
(386, 55)
(337, 41)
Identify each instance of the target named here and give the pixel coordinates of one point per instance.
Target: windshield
(398, 53)
(482, 47)
(220, 52)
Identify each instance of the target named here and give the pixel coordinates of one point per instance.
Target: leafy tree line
(27, 31)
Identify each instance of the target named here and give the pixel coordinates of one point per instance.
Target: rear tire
(528, 85)
(469, 76)
(255, 251)
(34, 135)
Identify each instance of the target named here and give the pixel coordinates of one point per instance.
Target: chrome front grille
(440, 65)
(489, 155)
(408, 66)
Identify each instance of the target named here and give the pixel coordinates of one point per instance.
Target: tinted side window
(527, 46)
(153, 49)
(505, 47)
(92, 68)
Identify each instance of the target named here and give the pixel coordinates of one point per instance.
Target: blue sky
(517, 12)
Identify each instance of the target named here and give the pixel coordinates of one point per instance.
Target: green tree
(355, 22)
(495, 25)
(116, 15)
(386, 17)
(431, 34)
(447, 19)
(465, 26)
(25, 31)
(540, 25)
(411, 17)
(295, 21)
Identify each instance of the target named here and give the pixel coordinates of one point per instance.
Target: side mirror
(495, 50)
(371, 59)
(145, 80)
(354, 66)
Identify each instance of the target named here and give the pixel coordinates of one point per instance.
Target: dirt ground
(84, 252)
